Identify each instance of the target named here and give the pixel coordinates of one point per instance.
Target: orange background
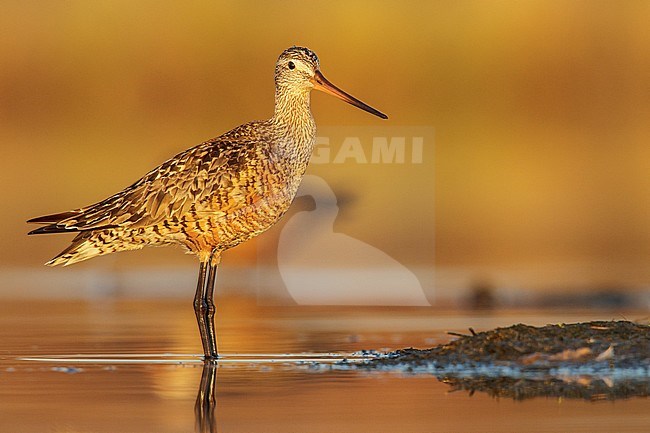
(541, 113)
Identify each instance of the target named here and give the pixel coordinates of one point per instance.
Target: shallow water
(133, 366)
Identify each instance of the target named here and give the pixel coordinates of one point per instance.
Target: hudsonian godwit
(213, 196)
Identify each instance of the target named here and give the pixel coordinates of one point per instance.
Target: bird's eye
(292, 65)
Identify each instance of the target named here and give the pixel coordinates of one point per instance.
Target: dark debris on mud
(601, 360)
(619, 344)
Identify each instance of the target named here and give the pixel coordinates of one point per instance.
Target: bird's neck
(293, 118)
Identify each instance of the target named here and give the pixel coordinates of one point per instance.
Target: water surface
(133, 366)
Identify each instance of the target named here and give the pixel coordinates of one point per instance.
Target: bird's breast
(253, 204)
(255, 185)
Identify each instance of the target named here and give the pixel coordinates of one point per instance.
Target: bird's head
(298, 69)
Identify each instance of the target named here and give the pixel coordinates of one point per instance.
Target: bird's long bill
(321, 83)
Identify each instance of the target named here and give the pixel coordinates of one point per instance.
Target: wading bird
(213, 196)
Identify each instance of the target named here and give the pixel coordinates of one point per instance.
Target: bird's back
(212, 196)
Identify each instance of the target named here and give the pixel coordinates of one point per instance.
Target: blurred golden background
(540, 172)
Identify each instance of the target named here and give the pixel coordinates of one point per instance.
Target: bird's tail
(82, 248)
(53, 223)
(89, 244)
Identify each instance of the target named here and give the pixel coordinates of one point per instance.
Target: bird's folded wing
(166, 192)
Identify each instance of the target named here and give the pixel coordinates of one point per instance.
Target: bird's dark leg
(204, 306)
(211, 352)
(199, 307)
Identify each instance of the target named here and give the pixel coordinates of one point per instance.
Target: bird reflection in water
(206, 399)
